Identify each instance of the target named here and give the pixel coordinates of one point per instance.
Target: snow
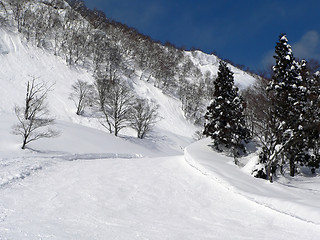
(24, 62)
(145, 198)
(299, 201)
(210, 63)
(284, 38)
(88, 184)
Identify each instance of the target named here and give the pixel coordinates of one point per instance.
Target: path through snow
(155, 198)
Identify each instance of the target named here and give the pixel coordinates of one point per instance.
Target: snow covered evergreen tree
(311, 155)
(288, 100)
(225, 118)
(294, 124)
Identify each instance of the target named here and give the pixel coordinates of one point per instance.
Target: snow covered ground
(296, 197)
(88, 184)
(144, 198)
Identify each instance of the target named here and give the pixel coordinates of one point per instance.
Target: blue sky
(244, 31)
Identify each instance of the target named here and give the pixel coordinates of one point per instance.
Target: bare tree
(117, 107)
(143, 117)
(80, 95)
(36, 94)
(106, 84)
(3, 13)
(34, 122)
(102, 86)
(75, 38)
(41, 25)
(18, 7)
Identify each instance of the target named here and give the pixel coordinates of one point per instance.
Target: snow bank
(299, 202)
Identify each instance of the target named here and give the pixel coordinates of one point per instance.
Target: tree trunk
(292, 167)
(24, 143)
(269, 173)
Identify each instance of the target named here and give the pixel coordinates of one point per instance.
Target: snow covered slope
(20, 62)
(210, 63)
(298, 198)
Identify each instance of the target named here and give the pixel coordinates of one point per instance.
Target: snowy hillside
(20, 62)
(210, 63)
(88, 184)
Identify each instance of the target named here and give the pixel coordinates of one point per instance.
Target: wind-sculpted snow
(301, 200)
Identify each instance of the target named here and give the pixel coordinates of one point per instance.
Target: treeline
(88, 38)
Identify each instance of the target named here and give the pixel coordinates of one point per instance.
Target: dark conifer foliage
(288, 101)
(225, 118)
(292, 134)
(286, 84)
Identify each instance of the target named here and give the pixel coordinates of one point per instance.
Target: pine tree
(294, 122)
(225, 118)
(311, 155)
(288, 103)
(284, 82)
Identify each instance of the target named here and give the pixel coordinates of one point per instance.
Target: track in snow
(157, 198)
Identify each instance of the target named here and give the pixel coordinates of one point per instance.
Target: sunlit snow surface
(210, 63)
(144, 198)
(297, 197)
(87, 184)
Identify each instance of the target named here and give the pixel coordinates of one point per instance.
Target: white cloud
(268, 60)
(308, 46)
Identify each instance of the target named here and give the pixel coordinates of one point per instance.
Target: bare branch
(33, 117)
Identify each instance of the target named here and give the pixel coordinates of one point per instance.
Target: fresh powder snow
(87, 184)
